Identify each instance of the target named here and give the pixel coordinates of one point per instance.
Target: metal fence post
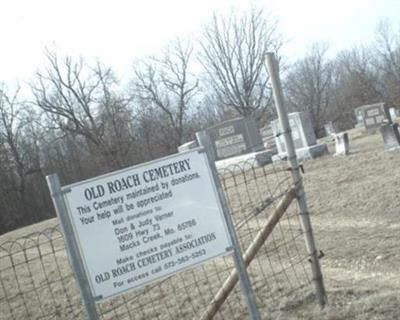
(77, 264)
(294, 165)
(237, 254)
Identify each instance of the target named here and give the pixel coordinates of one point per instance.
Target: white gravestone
(303, 136)
(394, 113)
(330, 128)
(342, 143)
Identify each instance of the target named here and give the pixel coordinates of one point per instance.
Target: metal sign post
(294, 165)
(76, 260)
(239, 263)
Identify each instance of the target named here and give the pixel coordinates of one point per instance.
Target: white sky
(119, 31)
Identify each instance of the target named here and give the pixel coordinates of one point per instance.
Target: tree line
(80, 121)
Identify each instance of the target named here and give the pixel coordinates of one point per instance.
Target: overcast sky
(119, 31)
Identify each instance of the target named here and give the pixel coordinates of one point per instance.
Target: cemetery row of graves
(239, 140)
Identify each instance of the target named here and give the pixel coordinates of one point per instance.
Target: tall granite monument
(303, 135)
(233, 141)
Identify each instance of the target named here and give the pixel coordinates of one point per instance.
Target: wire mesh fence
(36, 281)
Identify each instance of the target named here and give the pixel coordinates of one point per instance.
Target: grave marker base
(254, 159)
(188, 146)
(306, 153)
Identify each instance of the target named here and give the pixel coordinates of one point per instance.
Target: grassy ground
(355, 210)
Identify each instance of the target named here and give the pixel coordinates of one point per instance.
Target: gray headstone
(342, 143)
(374, 115)
(391, 136)
(302, 131)
(234, 137)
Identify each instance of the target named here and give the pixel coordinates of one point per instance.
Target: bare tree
(233, 55)
(11, 135)
(387, 61)
(368, 74)
(165, 83)
(19, 160)
(360, 74)
(79, 100)
(356, 82)
(308, 85)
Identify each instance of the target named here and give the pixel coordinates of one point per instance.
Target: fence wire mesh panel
(36, 281)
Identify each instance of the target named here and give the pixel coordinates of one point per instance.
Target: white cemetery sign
(143, 223)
